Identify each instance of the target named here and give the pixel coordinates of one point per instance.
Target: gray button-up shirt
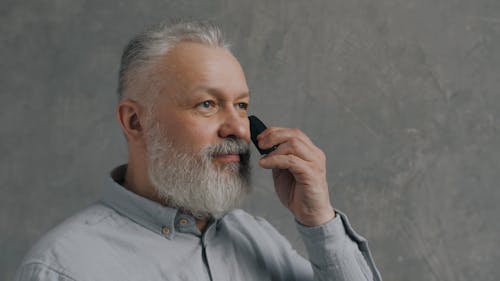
(128, 237)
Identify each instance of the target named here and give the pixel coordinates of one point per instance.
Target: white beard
(193, 183)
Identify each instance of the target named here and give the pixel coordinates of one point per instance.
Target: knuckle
(297, 131)
(270, 130)
(294, 144)
(322, 155)
(292, 160)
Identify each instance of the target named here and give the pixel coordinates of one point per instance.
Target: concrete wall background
(403, 97)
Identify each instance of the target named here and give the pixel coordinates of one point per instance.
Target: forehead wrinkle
(218, 93)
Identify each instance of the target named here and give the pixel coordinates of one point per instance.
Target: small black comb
(257, 127)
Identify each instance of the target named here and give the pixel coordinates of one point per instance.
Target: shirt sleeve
(337, 252)
(36, 271)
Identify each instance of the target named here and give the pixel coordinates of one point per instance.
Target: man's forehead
(195, 67)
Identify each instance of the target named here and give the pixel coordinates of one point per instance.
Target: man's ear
(130, 116)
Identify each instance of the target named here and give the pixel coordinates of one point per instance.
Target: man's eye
(206, 104)
(243, 105)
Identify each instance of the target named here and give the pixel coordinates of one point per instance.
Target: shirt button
(183, 221)
(165, 231)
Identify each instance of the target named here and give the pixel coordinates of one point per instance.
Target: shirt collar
(162, 220)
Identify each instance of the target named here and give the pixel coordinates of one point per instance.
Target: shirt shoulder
(71, 242)
(35, 271)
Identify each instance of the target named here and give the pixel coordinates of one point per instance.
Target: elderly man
(170, 213)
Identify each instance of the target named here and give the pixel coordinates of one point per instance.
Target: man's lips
(227, 158)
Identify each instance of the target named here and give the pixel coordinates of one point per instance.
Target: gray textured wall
(403, 96)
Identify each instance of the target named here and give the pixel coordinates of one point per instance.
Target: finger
(300, 143)
(298, 167)
(276, 135)
(296, 147)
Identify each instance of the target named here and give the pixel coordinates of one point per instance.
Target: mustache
(228, 146)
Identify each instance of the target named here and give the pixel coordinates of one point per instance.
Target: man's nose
(235, 125)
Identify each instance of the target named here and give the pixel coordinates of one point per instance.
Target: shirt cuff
(325, 243)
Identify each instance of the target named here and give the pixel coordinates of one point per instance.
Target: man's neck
(140, 187)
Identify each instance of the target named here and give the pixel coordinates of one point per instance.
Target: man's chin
(227, 167)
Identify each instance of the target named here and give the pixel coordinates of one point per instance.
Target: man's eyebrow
(217, 93)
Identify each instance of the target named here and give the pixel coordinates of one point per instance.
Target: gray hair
(147, 47)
